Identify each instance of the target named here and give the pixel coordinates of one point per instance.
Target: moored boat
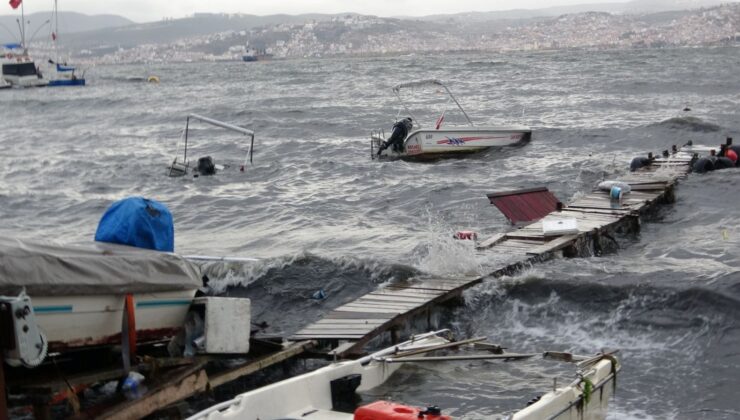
(62, 74)
(19, 70)
(79, 292)
(411, 140)
(329, 392)
(256, 55)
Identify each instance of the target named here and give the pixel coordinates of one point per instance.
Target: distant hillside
(171, 30)
(69, 23)
(633, 7)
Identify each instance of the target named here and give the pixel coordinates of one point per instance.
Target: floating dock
(392, 308)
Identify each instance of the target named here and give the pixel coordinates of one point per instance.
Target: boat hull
(434, 144)
(463, 140)
(67, 82)
(25, 81)
(571, 403)
(76, 322)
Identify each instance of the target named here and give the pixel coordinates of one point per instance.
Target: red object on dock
(525, 205)
(466, 234)
(386, 410)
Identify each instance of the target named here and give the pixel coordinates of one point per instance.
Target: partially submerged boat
(329, 392)
(436, 141)
(206, 165)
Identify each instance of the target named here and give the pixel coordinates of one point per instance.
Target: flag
(15, 3)
(53, 36)
(439, 121)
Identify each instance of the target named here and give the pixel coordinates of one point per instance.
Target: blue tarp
(64, 68)
(12, 46)
(139, 222)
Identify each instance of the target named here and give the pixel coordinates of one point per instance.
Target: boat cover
(138, 221)
(46, 268)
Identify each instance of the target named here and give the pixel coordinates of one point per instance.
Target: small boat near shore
(78, 292)
(329, 392)
(415, 141)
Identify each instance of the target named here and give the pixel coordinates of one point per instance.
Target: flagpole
(23, 29)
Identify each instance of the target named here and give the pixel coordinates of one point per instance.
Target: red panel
(525, 205)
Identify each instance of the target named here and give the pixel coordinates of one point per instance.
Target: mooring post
(395, 335)
(3, 395)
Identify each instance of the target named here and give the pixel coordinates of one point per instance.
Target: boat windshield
(20, 69)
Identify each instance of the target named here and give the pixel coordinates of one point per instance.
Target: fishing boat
(256, 55)
(79, 292)
(330, 392)
(435, 141)
(206, 165)
(62, 74)
(19, 69)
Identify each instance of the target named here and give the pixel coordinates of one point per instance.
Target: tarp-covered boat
(78, 292)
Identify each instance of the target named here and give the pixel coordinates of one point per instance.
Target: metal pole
(56, 26)
(459, 106)
(403, 104)
(512, 356)
(23, 29)
(185, 152)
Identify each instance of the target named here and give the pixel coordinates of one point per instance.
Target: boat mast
(55, 32)
(23, 29)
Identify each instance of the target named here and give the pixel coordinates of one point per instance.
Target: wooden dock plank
(554, 245)
(336, 314)
(491, 241)
(349, 322)
(390, 298)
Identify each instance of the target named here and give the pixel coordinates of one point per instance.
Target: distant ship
(256, 55)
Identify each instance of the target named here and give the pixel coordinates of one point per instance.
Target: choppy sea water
(321, 215)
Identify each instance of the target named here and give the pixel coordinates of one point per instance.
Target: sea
(320, 215)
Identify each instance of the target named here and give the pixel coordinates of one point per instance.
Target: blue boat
(65, 76)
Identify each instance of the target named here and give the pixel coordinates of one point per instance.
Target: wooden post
(395, 336)
(3, 395)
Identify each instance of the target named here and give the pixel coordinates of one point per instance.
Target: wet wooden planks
(374, 312)
(391, 306)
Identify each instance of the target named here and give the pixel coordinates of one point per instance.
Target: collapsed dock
(599, 217)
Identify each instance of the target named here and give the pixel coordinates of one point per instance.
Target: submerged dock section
(593, 219)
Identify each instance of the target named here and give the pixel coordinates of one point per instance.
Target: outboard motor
(206, 166)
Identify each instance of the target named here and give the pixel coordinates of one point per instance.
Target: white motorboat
(79, 293)
(206, 165)
(436, 141)
(19, 70)
(329, 392)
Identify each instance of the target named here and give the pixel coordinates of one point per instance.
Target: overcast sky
(149, 10)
